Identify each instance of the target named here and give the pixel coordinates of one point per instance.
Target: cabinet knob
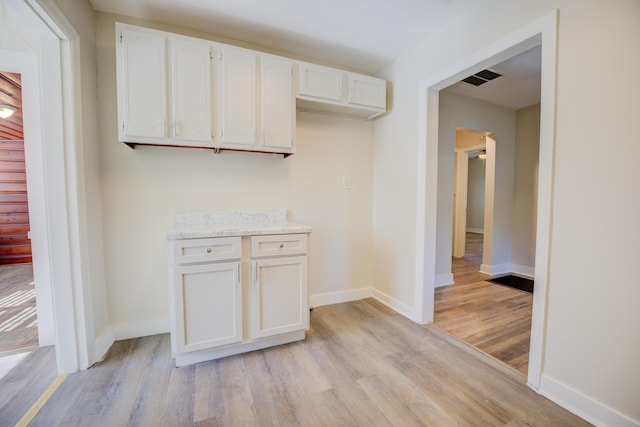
(281, 245)
(208, 250)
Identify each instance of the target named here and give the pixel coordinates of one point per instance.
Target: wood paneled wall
(15, 246)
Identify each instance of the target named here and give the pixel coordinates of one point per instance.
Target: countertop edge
(210, 231)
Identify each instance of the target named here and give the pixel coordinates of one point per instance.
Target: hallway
(494, 318)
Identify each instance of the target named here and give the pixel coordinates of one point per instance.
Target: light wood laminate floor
(494, 318)
(18, 320)
(362, 364)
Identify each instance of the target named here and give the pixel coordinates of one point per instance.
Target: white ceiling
(362, 35)
(518, 87)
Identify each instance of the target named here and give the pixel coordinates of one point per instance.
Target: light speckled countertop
(196, 225)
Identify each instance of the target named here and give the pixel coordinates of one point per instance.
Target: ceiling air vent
(481, 77)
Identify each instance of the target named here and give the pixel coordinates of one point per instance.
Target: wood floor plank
(269, 398)
(180, 397)
(18, 320)
(402, 402)
(147, 408)
(23, 385)
(361, 364)
(494, 318)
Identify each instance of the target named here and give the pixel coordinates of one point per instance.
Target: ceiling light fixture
(6, 111)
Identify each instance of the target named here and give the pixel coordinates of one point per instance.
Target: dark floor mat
(514, 282)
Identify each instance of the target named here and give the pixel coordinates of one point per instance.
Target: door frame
(51, 118)
(542, 31)
(461, 193)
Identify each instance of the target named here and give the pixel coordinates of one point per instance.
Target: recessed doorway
(542, 32)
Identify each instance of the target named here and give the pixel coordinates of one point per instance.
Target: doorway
(491, 317)
(18, 314)
(541, 32)
(39, 44)
(470, 169)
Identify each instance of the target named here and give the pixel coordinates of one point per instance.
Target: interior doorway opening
(18, 311)
(470, 169)
(541, 32)
(489, 316)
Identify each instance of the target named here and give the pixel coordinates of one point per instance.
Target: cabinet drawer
(204, 250)
(278, 245)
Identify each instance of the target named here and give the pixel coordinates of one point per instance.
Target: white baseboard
(495, 270)
(394, 304)
(444, 280)
(101, 345)
(590, 410)
(329, 298)
(523, 270)
(142, 329)
(475, 230)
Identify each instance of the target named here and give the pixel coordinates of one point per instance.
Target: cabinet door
(367, 91)
(277, 103)
(238, 97)
(315, 81)
(207, 306)
(279, 296)
(142, 84)
(191, 91)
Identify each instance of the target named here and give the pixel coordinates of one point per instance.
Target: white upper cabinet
(142, 86)
(237, 97)
(183, 91)
(277, 104)
(367, 91)
(164, 88)
(191, 91)
(337, 91)
(315, 81)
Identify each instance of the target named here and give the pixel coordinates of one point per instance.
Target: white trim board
(141, 329)
(444, 280)
(583, 406)
(318, 300)
(397, 306)
(523, 270)
(328, 298)
(495, 270)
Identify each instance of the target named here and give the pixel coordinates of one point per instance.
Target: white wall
(592, 345)
(475, 195)
(143, 189)
(459, 111)
(525, 191)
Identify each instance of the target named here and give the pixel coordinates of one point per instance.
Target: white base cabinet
(279, 285)
(208, 304)
(235, 294)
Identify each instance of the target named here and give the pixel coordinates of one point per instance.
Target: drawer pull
(208, 250)
(281, 245)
